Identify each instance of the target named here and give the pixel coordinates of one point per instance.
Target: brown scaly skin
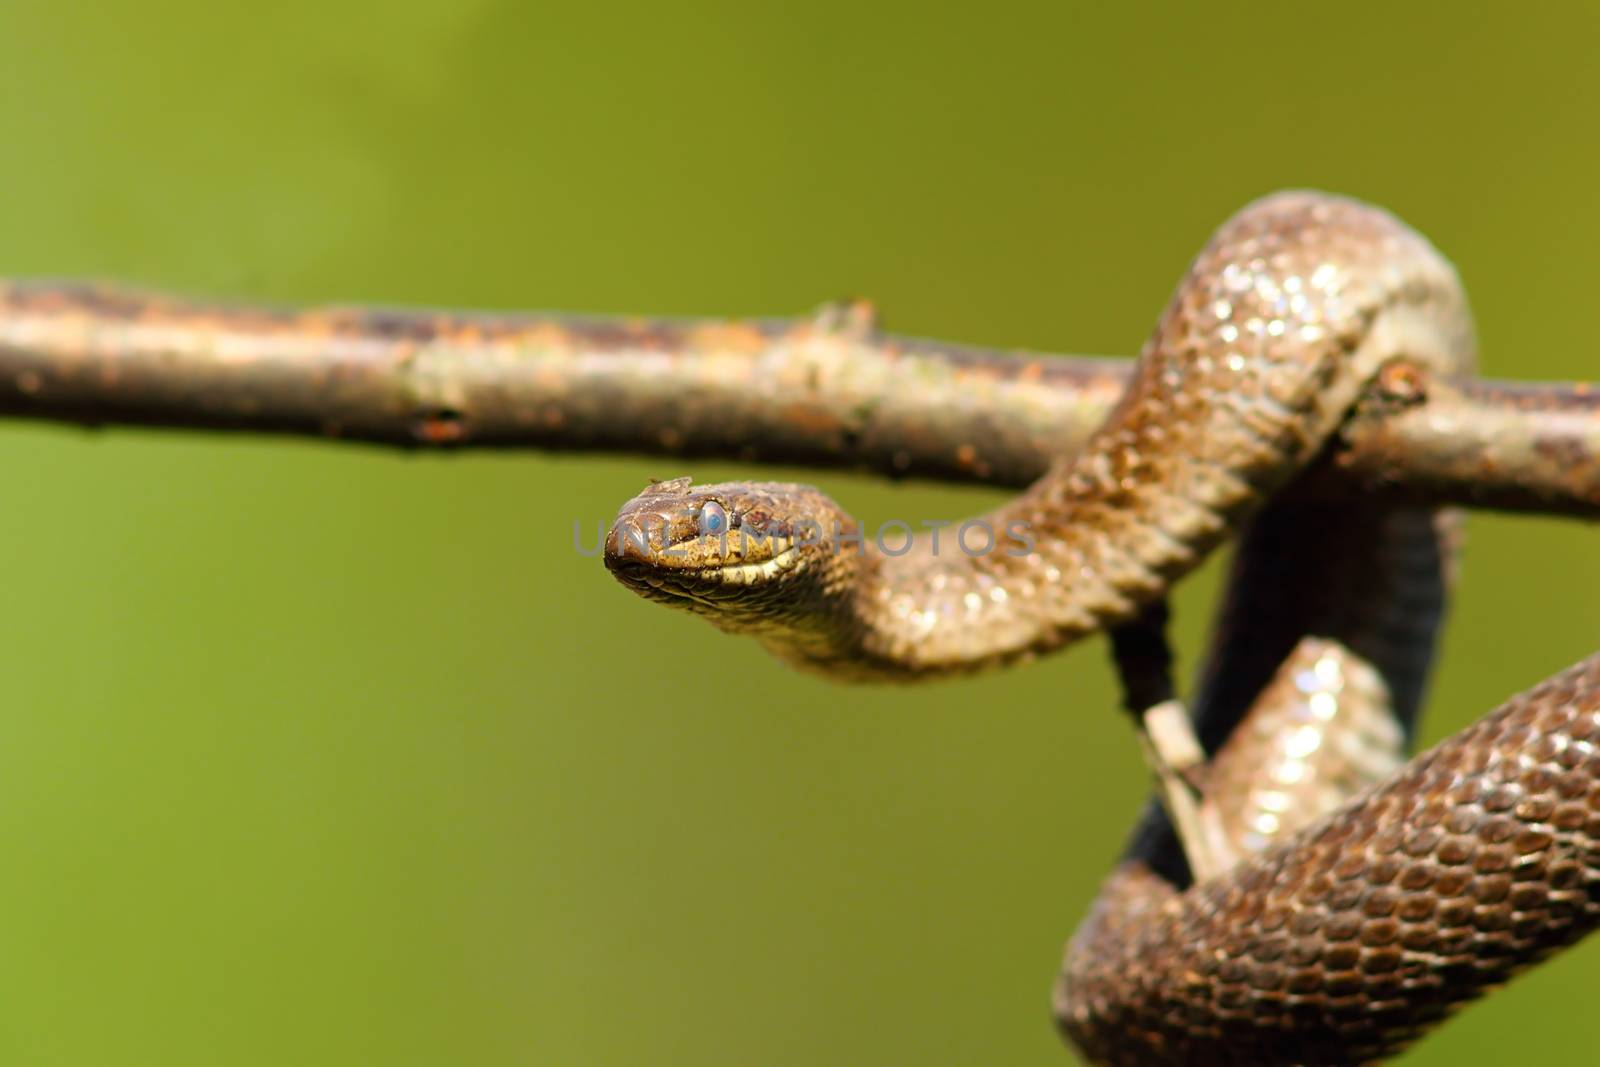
(1345, 942)
(1322, 730)
(1281, 324)
(1315, 679)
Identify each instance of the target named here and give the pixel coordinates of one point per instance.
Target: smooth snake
(1353, 902)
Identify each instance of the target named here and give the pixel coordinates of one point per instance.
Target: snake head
(734, 552)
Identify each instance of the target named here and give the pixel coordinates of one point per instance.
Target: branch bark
(827, 390)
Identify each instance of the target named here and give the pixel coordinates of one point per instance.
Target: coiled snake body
(1328, 937)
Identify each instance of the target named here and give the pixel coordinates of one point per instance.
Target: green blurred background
(322, 755)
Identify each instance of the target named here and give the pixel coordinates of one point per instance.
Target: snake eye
(713, 520)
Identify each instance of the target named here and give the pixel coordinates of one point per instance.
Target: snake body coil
(1343, 943)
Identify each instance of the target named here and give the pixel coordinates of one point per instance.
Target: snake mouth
(785, 554)
(661, 554)
(708, 589)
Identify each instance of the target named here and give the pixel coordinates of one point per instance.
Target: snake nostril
(627, 540)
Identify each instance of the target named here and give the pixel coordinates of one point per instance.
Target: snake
(1295, 304)
(1364, 898)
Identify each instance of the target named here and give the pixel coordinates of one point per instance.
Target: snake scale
(1361, 900)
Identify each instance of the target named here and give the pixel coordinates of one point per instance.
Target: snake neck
(1098, 537)
(1085, 549)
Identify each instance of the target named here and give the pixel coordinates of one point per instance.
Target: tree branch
(828, 390)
